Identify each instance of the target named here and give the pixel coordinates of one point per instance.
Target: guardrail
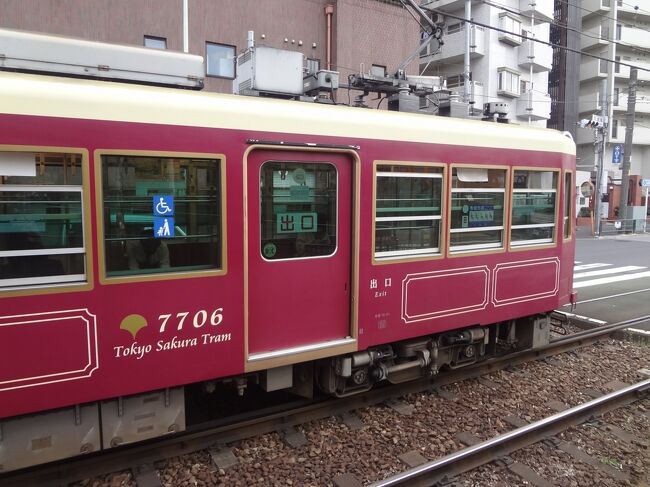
(615, 227)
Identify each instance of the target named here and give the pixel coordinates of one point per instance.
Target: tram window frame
(569, 205)
(285, 191)
(59, 265)
(471, 187)
(516, 243)
(409, 171)
(165, 267)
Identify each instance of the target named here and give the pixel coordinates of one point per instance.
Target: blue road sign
(163, 227)
(617, 153)
(163, 205)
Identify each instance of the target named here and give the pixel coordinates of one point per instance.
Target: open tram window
(533, 207)
(568, 203)
(408, 211)
(477, 203)
(298, 209)
(41, 219)
(161, 214)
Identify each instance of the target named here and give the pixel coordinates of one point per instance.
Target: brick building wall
(365, 32)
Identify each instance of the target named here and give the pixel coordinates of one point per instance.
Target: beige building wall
(364, 32)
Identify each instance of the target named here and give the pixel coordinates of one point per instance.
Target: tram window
(298, 210)
(161, 214)
(477, 202)
(568, 202)
(533, 207)
(41, 219)
(408, 211)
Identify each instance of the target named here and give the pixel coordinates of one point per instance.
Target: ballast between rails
(482, 453)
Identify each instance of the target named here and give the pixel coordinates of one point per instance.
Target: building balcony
(453, 49)
(593, 69)
(626, 9)
(535, 105)
(642, 104)
(596, 7)
(446, 5)
(539, 56)
(634, 36)
(589, 103)
(542, 9)
(623, 72)
(594, 36)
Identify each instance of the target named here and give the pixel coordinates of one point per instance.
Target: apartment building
(617, 31)
(507, 65)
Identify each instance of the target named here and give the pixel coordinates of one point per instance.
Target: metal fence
(616, 227)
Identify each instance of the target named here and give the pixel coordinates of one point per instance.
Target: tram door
(299, 207)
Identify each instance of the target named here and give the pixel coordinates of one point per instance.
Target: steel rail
(158, 449)
(481, 453)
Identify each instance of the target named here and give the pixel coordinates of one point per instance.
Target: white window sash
(409, 175)
(409, 252)
(406, 218)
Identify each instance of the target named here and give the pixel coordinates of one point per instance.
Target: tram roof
(27, 94)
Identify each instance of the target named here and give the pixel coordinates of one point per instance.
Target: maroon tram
(153, 238)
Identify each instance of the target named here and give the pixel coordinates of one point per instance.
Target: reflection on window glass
(297, 210)
(161, 214)
(408, 211)
(568, 201)
(533, 207)
(41, 219)
(477, 202)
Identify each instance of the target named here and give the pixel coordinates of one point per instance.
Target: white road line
(577, 262)
(636, 330)
(610, 297)
(607, 280)
(603, 272)
(589, 266)
(582, 318)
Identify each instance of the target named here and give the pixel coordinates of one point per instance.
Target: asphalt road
(612, 278)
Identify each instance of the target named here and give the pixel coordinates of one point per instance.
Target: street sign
(617, 153)
(645, 182)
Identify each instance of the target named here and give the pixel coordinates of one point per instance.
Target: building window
(619, 29)
(155, 42)
(161, 214)
(508, 82)
(220, 60)
(603, 65)
(533, 207)
(511, 29)
(614, 128)
(477, 203)
(617, 92)
(568, 203)
(408, 211)
(298, 209)
(41, 219)
(617, 64)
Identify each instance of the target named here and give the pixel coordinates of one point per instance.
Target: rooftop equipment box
(269, 70)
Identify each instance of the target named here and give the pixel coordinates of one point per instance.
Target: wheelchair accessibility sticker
(163, 216)
(163, 205)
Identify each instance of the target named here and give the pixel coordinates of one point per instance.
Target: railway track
(495, 448)
(135, 456)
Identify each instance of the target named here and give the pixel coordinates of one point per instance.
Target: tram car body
(152, 238)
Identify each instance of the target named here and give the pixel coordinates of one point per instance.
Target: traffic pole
(627, 151)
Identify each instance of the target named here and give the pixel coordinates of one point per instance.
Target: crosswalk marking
(603, 272)
(588, 266)
(607, 280)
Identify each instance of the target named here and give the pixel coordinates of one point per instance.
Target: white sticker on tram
(607, 280)
(589, 266)
(604, 272)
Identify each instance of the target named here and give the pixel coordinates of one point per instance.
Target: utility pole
(468, 38)
(599, 143)
(627, 150)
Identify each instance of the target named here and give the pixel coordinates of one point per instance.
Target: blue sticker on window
(163, 227)
(163, 205)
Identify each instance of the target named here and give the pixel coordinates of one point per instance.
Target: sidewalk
(609, 232)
